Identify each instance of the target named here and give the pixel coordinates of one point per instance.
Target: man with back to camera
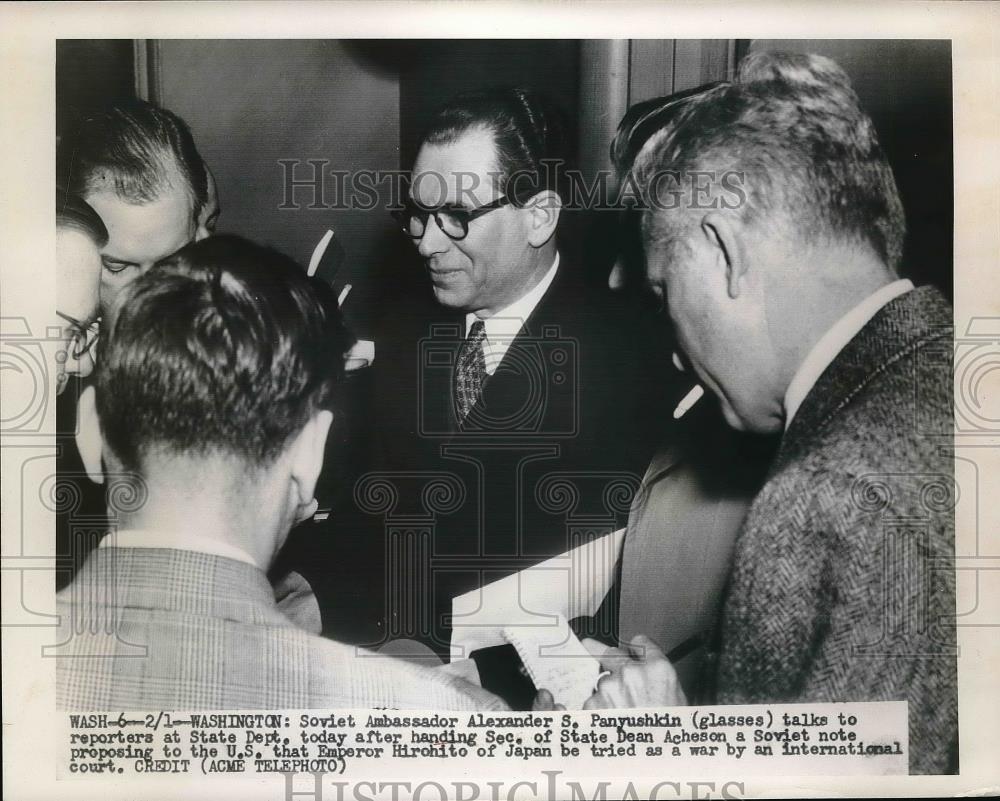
(212, 402)
(137, 165)
(532, 379)
(791, 310)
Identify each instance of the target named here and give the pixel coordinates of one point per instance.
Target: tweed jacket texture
(158, 628)
(843, 583)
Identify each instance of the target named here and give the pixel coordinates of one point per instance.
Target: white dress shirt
(158, 538)
(502, 327)
(834, 341)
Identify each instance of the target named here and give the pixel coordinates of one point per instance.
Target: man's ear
(723, 233)
(307, 454)
(89, 439)
(543, 210)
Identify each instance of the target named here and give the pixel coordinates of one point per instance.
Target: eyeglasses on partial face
(452, 220)
(84, 336)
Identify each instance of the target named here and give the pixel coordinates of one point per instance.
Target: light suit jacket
(679, 542)
(158, 628)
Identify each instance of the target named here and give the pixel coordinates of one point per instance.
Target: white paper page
(572, 584)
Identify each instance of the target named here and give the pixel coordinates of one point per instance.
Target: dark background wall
(89, 74)
(440, 69)
(252, 104)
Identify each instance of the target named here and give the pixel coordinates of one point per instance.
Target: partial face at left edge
(78, 275)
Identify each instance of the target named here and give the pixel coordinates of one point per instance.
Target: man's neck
(213, 509)
(817, 309)
(542, 261)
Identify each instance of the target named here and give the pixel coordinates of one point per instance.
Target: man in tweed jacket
(212, 405)
(790, 308)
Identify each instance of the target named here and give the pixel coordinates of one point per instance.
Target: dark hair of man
(527, 131)
(137, 150)
(225, 348)
(74, 213)
(791, 125)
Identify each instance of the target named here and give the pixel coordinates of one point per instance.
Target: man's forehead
(467, 163)
(78, 271)
(145, 232)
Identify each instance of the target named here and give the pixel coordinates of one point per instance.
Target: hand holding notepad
(556, 661)
(529, 610)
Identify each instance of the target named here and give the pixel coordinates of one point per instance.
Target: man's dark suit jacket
(843, 582)
(549, 457)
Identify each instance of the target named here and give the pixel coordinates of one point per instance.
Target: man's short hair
(791, 125)
(137, 150)
(72, 212)
(226, 347)
(527, 130)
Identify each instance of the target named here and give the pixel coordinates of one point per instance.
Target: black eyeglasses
(453, 220)
(84, 336)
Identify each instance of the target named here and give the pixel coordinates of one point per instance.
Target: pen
(343, 295)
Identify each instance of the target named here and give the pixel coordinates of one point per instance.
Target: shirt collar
(833, 341)
(159, 538)
(508, 321)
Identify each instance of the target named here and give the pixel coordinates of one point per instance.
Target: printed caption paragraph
(792, 739)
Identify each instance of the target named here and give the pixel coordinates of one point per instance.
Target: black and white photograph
(586, 410)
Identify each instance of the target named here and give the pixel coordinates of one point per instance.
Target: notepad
(556, 661)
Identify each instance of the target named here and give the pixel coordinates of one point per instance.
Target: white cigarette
(343, 295)
(688, 401)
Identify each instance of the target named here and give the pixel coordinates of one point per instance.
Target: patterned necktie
(470, 371)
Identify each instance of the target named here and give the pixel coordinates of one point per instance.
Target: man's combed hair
(135, 149)
(227, 347)
(791, 125)
(527, 130)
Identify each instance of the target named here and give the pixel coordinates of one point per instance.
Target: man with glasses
(517, 380)
(80, 234)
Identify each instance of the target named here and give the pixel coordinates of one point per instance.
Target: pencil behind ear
(89, 440)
